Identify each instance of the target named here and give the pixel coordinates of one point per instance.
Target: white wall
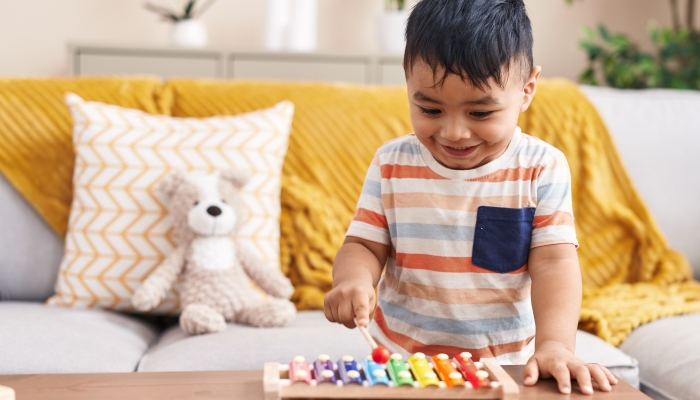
(34, 33)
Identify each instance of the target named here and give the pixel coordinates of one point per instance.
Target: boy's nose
(456, 131)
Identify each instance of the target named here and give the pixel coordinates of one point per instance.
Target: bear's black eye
(196, 202)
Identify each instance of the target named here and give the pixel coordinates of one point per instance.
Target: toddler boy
(471, 217)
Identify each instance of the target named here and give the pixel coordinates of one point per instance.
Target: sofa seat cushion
(241, 347)
(37, 339)
(668, 351)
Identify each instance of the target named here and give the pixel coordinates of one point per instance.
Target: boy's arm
(356, 271)
(556, 303)
(556, 293)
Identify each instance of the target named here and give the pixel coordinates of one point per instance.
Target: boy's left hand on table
(553, 359)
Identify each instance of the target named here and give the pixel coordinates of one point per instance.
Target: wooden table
(220, 385)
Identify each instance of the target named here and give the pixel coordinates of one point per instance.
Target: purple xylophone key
(324, 370)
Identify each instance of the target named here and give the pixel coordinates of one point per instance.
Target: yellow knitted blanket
(630, 275)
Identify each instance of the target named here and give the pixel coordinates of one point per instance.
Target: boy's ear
(530, 87)
(171, 182)
(237, 179)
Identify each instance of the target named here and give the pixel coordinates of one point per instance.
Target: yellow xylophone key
(422, 371)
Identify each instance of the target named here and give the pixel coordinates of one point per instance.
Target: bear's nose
(214, 211)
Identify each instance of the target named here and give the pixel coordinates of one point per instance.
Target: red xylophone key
(476, 377)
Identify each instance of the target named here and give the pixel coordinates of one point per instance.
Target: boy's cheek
(425, 127)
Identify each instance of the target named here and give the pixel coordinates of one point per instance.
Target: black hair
(475, 39)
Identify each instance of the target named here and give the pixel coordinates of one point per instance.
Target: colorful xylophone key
(398, 372)
(476, 377)
(299, 370)
(422, 371)
(446, 371)
(374, 373)
(324, 371)
(348, 371)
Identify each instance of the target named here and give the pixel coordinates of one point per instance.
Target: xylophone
(437, 377)
(6, 393)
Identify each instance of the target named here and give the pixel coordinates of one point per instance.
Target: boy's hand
(553, 359)
(347, 300)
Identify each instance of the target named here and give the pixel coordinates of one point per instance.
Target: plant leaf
(188, 9)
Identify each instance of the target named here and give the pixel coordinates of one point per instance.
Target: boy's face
(465, 127)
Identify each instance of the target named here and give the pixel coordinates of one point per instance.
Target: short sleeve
(554, 216)
(369, 221)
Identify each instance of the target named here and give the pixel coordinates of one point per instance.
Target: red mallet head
(381, 355)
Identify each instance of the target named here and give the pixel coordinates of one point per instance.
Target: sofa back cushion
(36, 165)
(657, 133)
(30, 251)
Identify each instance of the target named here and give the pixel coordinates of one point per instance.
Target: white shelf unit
(168, 62)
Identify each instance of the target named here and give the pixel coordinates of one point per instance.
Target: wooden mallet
(380, 354)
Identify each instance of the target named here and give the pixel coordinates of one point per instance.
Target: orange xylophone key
(446, 371)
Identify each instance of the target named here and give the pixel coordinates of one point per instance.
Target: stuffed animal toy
(214, 271)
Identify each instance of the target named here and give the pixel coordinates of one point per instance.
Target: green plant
(674, 63)
(678, 57)
(395, 5)
(189, 11)
(621, 63)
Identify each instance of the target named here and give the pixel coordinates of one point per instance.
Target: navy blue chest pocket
(502, 238)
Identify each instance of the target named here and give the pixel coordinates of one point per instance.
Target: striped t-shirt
(456, 278)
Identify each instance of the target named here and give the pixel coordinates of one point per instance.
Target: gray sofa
(647, 128)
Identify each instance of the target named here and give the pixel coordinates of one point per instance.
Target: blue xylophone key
(374, 373)
(348, 371)
(324, 371)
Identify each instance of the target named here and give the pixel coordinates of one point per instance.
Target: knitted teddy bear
(214, 271)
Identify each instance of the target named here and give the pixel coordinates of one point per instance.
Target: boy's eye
(429, 111)
(481, 114)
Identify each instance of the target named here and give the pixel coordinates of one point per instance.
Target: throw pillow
(118, 230)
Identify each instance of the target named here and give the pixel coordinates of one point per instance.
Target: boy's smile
(465, 127)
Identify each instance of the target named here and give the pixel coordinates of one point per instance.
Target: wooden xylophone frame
(274, 390)
(6, 393)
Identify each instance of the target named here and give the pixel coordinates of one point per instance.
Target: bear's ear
(171, 182)
(237, 179)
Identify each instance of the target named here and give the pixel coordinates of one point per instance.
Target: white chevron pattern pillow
(119, 228)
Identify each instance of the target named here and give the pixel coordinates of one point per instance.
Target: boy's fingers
(336, 317)
(372, 300)
(583, 377)
(360, 304)
(345, 314)
(531, 372)
(327, 310)
(600, 377)
(611, 378)
(561, 373)
(333, 310)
